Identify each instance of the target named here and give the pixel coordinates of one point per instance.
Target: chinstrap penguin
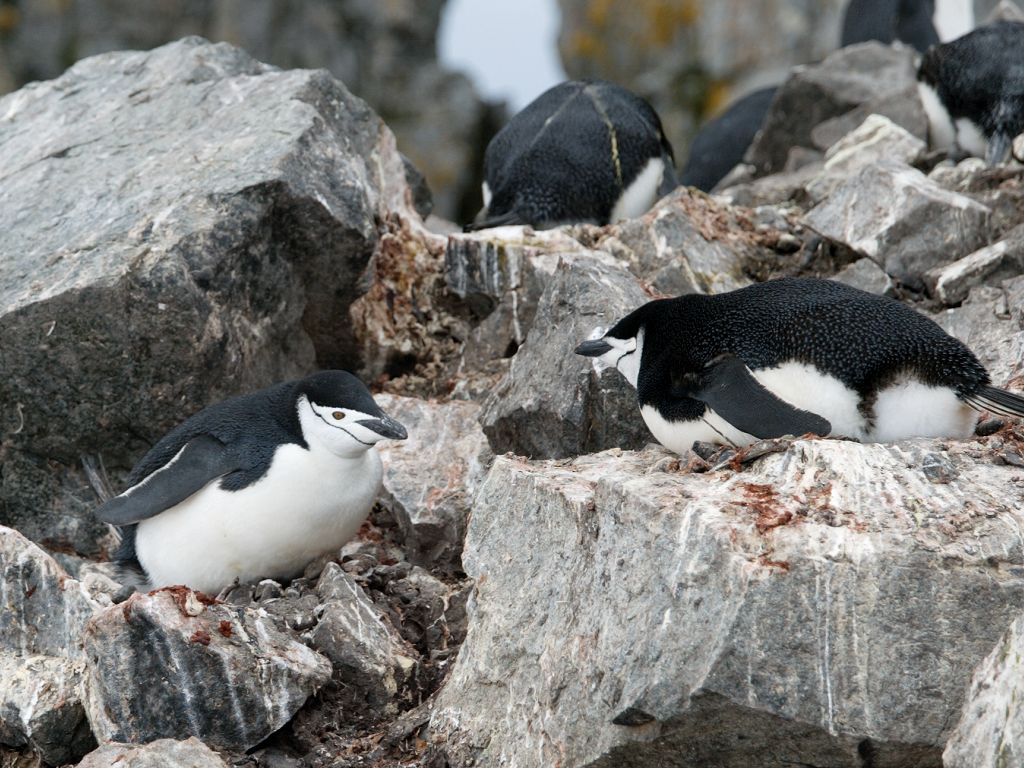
(256, 486)
(793, 356)
(723, 141)
(582, 151)
(973, 91)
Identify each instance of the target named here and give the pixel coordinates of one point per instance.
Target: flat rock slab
(219, 672)
(553, 403)
(829, 600)
(901, 220)
(991, 731)
(42, 613)
(430, 479)
(162, 753)
(180, 225)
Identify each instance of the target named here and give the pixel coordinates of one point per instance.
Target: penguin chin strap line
(730, 442)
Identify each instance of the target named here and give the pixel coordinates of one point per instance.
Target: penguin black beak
(385, 426)
(593, 348)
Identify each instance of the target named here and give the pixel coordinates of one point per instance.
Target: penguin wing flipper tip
(728, 387)
(200, 460)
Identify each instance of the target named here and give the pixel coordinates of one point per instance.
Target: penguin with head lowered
(256, 486)
(973, 91)
(585, 151)
(793, 356)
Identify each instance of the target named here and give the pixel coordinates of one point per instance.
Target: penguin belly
(912, 409)
(942, 133)
(311, 501)
(641, 193)
(679, 436)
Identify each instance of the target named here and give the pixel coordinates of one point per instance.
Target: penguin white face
(345, 431)
(613, 352)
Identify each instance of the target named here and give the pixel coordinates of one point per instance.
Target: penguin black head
(336, 409)
(622, 346)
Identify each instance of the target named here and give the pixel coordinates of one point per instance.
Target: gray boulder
(42, 613)
(900, 219)
(820, 103)
(370, 660)
(430, 479)
(824, 606)
(162, 753)
(990, 733)
(951, 283)
(222, 673)
(192, 249)
(553, 403)
(688, 243)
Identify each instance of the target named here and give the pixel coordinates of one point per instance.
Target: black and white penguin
(256, 486)
(793, 356)
(583, 151)
(973, 91)
(721, 143)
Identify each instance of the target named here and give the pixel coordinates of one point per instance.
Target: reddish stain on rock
(180, 594)
(763, 500)
(200, 636)
(225, 628)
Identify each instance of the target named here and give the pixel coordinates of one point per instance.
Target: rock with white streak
(370, 660)
(866, 275)
(553, 403)
(876, 140)
(990, 733)
(828, 602)
(430, 479)
(951, 283)
(901, 220)
(163, 753)
(219, 672)
(42, 613)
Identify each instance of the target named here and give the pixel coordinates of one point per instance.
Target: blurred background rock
(688, 57)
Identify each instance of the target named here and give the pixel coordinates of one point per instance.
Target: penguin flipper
(202, 459)
(728, 387)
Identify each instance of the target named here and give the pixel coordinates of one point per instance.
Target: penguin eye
(338, 415)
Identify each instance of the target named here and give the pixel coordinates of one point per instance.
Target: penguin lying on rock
(583, 151)
(793, 356)
(256, 486)
(973, 91)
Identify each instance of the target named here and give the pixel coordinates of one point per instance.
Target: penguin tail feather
(996, 400)
(1000, 146)
(502, 220)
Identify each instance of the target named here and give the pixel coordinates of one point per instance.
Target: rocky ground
(538, 586)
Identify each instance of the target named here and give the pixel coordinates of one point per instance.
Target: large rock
(163, 753)
(820, 103)
(207, 219)
(825, 606)
(370, 662)
(903, 221)
(553, 403)
(386, 53)
(951, 283)
(990, 733)
(42, 613)
(430, 479)
(688, 243)
(223, 673)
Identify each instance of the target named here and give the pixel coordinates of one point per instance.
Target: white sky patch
(508, 47)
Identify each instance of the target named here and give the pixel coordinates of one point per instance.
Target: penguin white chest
(311, 501)
(641, 193)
